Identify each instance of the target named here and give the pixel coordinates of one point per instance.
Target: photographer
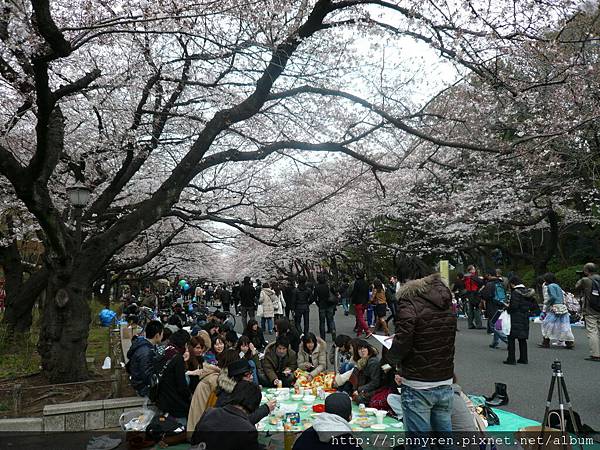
(589, 288)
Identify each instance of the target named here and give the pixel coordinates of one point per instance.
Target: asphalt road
(478, 367)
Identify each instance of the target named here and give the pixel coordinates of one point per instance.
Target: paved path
(478, 367)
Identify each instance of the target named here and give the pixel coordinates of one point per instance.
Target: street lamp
(79, 195)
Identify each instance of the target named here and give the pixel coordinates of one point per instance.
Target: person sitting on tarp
(331, 429)
(228, 428)
(279, 363)
(141, 356)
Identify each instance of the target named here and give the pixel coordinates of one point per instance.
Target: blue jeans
(326, 314)
(499, 336)
(345, 367)
(370, 315)
(345, 305)
(269, 322)
(252, 364)
(427, 412)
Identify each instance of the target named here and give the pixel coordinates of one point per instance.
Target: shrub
(567, 277)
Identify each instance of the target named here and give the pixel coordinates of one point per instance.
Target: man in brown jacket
(423, 350)
(279, 363)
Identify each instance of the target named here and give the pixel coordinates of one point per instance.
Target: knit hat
(239, 367)
(339, 403)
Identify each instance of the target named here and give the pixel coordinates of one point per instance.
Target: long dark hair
(249, 331)
(378, 285)
(361, 343)
(244, 340)
(309, 337)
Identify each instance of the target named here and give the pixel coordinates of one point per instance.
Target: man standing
(589, 287)
(326, 301)
(494, 295)
(473, 285)
(141, 356)
(304, 297)
(423, 348)
(289, 296)
(247, 301)
(360, 299)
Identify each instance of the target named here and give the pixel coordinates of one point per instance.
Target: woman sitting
(366, 377)
(255, 334)
(205, 395)
(218, 346)
(248, 351)
(341, 354)
(312, 356)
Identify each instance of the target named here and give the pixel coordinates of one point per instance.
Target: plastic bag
(107, 317)
(505, 318)
(137, 419)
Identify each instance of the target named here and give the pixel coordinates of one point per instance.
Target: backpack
(166, 429)
(153, 388)
(499, 293)
(471, 285)
(594, 302)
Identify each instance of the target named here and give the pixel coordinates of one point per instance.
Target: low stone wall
(80, 416)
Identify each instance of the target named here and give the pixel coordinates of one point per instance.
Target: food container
(296, 397)
(293, 417)
(309, 399)
(319, 408)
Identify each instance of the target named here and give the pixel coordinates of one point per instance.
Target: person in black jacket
(173, 390)
(326, 301)
(283, 327)
(255, 334)
(228, 428)
(360, 299)
(521, 301)
(304, 297)
(366, 378)
(141, 357)
(247, 301)
(239, 370)
(289, 295)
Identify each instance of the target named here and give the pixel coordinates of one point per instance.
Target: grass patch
(21, 358)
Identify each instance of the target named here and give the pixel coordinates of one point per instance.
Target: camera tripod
(558, 381)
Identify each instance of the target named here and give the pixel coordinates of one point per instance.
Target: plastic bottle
(362, 410)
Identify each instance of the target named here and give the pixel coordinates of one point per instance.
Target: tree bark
(20, 295)
(65, 328)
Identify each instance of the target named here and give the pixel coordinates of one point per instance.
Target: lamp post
(79, 195)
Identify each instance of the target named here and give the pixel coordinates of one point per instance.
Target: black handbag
(164, 428)
(488, 414)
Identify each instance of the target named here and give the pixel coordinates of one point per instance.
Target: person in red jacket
(473, 284)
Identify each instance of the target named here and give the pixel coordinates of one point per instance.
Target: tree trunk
(20, 295)
(65, 328)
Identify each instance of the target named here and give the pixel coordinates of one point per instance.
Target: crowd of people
(209, 379)
(491, 295)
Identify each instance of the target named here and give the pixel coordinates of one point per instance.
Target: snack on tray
(324, 379)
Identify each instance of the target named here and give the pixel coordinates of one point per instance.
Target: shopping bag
(505, 318)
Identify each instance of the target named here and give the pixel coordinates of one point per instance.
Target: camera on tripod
(556, 366)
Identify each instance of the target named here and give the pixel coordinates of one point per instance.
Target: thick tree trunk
(20, 296)
(64, 332)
